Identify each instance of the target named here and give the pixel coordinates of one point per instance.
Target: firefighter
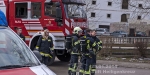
(87, 54)
(19, 32)
(75, 50)
(45, 46)
(99, 43)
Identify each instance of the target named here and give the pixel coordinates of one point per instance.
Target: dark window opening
(123, 18)
(92, 14)
(108, 15)
(125, 4)
(109, 3)
(21, 10)
(50, 9)
(93, 2)
(140, 5)
(104, 26)
(35, 10)
(139, 17)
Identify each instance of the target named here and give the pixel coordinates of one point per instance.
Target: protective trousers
(86, 65)
(93, 64)
(73, 64)
(45, 60)
(83, 63)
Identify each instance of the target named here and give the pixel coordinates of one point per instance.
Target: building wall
(126, 27)
(101, 9)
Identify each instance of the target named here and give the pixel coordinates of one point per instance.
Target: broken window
(35, 10)
(21, 10)
(125, 4)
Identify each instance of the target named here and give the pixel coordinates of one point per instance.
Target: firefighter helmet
(77, 30)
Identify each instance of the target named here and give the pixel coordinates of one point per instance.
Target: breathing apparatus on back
(77, 31)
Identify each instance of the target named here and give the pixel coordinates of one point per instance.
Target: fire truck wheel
(65, 58)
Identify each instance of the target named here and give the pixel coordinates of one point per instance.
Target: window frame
(108, 15)
(110, 3)
(36, 10)
(45, 10)
(93, 13)
(139, 17)
(140, 5)
(125, 6)
(19, 12)
(93, 2)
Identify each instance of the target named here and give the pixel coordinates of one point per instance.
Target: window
(108, 15)
(75, 11)
(109, 3)
(50, 9)
(125, 4)
(93, 2)
(35, 10)
(139, 17)
(140, 5)
(123, 18)
(21, 10)
(92, 14)
(12, 47)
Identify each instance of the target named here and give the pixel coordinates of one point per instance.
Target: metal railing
(124, 40)
(124, 46)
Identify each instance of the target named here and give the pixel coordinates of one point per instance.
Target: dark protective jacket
(75, 44)
(90, 44)
(99, 42)
(45, 45)
(22, 37)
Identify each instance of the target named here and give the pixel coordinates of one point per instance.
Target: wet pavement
(60, 68)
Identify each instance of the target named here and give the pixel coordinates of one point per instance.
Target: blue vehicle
(119, 33)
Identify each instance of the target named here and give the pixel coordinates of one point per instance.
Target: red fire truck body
(59, 16)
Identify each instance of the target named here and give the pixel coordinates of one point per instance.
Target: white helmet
(77, 29)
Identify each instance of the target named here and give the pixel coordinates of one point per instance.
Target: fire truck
(59, 16)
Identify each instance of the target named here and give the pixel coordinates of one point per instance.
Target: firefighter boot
(93, 70)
